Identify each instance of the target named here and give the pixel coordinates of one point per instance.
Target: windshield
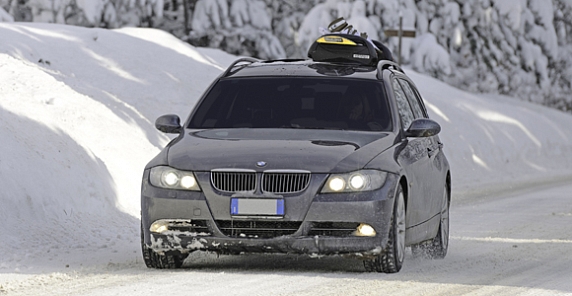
(305, 103)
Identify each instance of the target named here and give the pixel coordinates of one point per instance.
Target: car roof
(305, 68)
(301, 68)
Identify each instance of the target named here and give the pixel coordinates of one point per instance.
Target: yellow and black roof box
(344, 48)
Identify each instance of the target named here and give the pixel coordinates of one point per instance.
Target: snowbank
(77, 108)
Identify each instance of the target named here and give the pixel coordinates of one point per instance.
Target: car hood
(317, 151)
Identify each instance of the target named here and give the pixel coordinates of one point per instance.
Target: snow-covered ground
(77, 109)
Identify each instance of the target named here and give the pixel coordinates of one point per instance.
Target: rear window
(305, 103)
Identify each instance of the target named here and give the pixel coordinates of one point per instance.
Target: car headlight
(364, 180)
(168, 177)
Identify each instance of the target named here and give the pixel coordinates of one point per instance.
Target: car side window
(402, 104)
(412, 98)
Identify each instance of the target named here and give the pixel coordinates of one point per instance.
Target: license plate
(257, 206)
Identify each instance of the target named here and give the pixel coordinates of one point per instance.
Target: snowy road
(503, 245)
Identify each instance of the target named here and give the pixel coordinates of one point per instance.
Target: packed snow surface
(77, 112)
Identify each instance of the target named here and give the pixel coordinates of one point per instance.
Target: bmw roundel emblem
(261, 164)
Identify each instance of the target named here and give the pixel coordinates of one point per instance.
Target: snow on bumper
(317, 245)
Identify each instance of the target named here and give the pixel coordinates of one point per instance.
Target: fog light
(159, 226)
(365, 230)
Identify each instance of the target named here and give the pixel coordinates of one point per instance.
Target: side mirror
(170, 124)
(423, 127)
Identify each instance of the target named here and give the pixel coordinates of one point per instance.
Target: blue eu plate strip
(280, 207)
(234, 206)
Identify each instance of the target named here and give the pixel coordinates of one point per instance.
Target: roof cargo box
(344, 48)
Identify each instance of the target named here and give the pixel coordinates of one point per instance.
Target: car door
(433, 180)
(415, 161)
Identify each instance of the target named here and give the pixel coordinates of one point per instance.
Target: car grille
(285, 182)
(333, 228)
(257, 229)
(233, 181)
(272, 181)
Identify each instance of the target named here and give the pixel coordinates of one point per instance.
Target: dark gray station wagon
(334, 155)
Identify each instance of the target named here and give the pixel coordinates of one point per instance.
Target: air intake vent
(198, 226)
(339, 229)
(233, 181)
(257, 229)
(285, 182)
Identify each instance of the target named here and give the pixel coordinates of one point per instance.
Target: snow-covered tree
(93, 13)
(521, 48)
(510, 45)
(562, 68)
(430, 56)
(242, 27)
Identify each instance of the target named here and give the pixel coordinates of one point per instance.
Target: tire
(391, 260)
(440, 243)
(160, 261)
(438, 246)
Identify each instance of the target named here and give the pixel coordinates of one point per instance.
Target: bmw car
(331, 155)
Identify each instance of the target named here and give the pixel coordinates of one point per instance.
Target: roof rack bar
(384, 64)
(241, 60)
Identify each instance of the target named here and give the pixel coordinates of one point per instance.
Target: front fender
(387, 160)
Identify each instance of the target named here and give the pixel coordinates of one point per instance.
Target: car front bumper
(373, 208)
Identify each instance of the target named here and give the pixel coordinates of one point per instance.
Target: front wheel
(441, 241)
(391, 260)
(438, 246)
